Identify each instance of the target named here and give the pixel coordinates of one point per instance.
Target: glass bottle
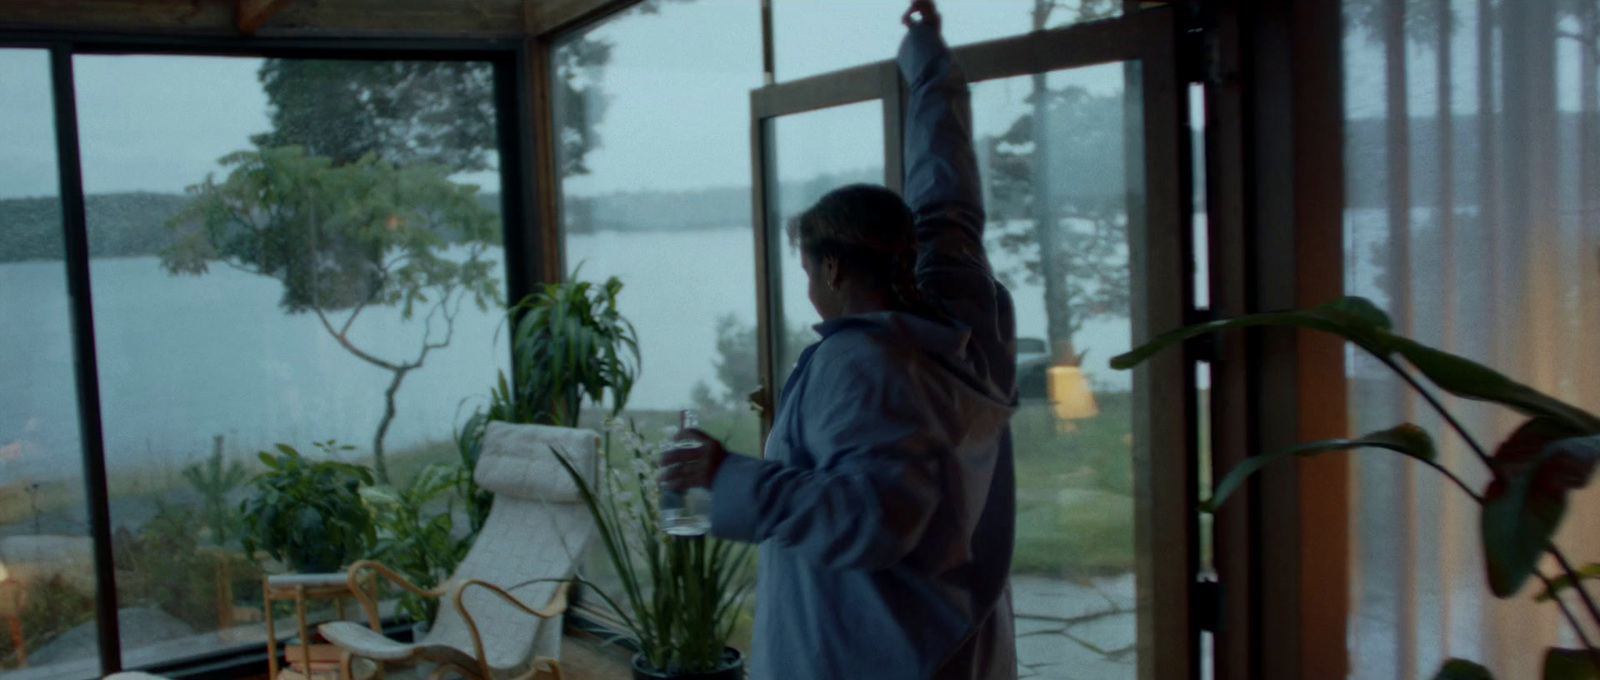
(686, 512)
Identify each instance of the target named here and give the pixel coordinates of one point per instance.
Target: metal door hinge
(1209, 605)
(1204, 347)
(1200, 53)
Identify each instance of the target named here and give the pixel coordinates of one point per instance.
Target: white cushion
(519, 461)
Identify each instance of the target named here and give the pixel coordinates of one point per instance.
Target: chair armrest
(556, 606)
(353, 579)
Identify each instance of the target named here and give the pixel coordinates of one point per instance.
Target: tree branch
(247, 270)
(443, 309)
(345, 343)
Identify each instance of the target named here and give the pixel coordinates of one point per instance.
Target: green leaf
(1525, 501)
(1405, 438)
(1457, 669)
(1353, 318)
(1360, 322)
(1588, 572)
(1570, 664)
(1466, 378)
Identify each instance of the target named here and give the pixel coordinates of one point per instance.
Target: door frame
(1164, 393)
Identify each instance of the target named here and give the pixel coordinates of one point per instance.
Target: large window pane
(282, 251)
(1064, 255)
(663, 201)
(47, 627)
(1473, 217)
(653, 112)
(811, 37)
(816, 152)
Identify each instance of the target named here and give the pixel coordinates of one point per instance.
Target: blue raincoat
(885, 504)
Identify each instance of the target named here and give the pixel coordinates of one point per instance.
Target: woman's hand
(694, 466)
(925, 12)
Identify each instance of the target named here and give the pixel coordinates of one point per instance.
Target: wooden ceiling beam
(490, 19)
(253, 13)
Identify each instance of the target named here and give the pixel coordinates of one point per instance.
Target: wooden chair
(531, 542)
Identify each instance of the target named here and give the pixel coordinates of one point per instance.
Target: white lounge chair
(486, 629)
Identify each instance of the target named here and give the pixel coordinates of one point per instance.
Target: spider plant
(681, 596)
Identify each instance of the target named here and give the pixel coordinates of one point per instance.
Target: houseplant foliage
(308, 513)
(681, 596)
(413, 542)
(569, 343)
(1552, 453)
(214, 481)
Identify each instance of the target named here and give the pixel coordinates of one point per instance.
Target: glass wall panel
(283, 252)
(1064, 254)
(814, 153)
(811, 37)
(653, 114)
(655, 190)
(1473, 217)
(47, 588)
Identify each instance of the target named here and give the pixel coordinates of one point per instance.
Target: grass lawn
(1074, 491)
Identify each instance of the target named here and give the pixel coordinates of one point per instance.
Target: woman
(884, 505)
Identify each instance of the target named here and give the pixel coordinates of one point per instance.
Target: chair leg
(545, 668)
(17, 641)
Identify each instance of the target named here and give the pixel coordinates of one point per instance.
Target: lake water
(182, 359)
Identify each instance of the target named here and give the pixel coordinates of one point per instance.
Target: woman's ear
(832, 272)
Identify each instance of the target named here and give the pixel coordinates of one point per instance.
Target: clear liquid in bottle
(686, 512)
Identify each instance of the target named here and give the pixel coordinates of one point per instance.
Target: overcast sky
(677, 88)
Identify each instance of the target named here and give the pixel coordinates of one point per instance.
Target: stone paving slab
(1096, 669)
(1121, 589)
(1113, 633)
(1042, 598)
(1029, 626)
(1056, 657)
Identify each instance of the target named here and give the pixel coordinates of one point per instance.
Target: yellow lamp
(1070, 397)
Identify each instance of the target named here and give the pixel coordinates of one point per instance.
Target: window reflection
(282, 252)
(1064, 255)
(652, 111)
(47, 588)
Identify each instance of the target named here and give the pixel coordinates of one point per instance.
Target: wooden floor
(583, 657)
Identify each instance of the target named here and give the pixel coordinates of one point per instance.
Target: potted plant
(418, 545)
(682, 597)
(569, 342)
(1531, 473)
(308, 513)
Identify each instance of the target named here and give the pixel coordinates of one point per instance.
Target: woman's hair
(871, 233)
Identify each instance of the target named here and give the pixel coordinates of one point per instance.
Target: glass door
(815, 152)
(1081, 140)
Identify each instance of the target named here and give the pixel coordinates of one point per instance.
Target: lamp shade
(1069, 393)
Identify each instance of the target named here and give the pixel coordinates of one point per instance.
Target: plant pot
(732, 669)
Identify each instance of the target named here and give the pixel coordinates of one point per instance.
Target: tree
(1073, 237)
(737, 371)
(345, 238)
(1078, 236)
(405, 112)
(428, 111)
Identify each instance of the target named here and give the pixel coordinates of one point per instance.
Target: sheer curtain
(1473, 216)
